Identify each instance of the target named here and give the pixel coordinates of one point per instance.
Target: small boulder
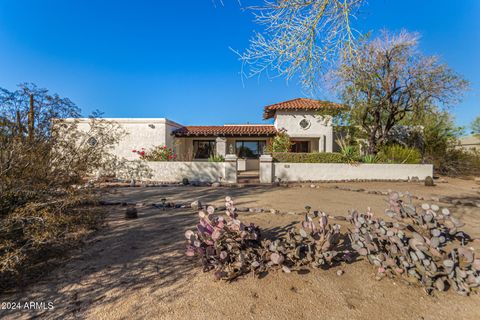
(429, 182)
(215, 184)
(196, 205)
(131, 213)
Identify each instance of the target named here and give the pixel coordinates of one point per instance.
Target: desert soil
(136, 269)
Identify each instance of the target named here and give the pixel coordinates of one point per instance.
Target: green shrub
(370, 158)
(399, 154)
(158, 153)
(457, 162)
(314, 157)
(280, 143)
(216, 158)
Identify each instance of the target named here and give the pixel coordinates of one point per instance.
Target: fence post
(266, 168)
(231, 168)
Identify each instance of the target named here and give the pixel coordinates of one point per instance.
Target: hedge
(314, 157)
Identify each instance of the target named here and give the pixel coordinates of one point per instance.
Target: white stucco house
(244, 145)
(299, 118)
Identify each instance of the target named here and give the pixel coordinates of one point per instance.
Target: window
(203, 149)
(92, 141)
(300, 146)
(250, 149)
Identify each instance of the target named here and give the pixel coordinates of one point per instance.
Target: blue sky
(172, 58)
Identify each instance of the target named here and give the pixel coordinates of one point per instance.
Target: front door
(248, 152)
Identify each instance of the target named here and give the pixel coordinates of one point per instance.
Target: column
(221, 146)
(266, 168)
(230, 168)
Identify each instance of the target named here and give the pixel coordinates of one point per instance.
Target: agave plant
(370, 158)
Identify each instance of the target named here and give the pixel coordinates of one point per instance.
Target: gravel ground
(136, 269)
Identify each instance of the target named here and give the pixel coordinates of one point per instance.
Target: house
(299, 118)
(471, 142)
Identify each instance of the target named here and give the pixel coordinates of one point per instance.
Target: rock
(185, 181)
(196, 205)
(215, 184)
(429, 181)
(221, 208)
(258, 210)
(340, 272)
(312, 186)
(468, 203)
(435, 199)
(414, 179)
(274, 211)
(131, 213)
(243, 209)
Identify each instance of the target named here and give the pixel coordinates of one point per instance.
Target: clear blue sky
(172, 58)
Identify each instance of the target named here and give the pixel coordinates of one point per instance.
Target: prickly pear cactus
(423, 245)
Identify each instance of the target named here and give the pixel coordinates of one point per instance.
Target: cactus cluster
(423, 246)
(231, 248)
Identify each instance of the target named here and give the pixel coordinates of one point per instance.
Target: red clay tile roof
(298, 104)
(226, 130)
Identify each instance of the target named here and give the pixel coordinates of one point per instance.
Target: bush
(314, 157)
(158, 153)
(399, 154)
(216, 158)
(280, 143)
(370, 158)
(458, 162)
(44, 160)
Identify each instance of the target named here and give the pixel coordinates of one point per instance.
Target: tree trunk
(19, 125)
(31, 120)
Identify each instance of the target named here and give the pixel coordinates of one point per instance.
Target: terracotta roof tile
(298, 104)
(226, 130)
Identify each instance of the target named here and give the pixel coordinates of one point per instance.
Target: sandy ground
(136, 269)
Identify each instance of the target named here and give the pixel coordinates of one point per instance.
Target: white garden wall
(176, 171)
(341, 171)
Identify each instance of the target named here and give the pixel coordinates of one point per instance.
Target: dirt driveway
(136, 269)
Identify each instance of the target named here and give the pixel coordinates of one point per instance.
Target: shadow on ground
(125, 256)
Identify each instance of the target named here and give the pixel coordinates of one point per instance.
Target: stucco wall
(175, 171)
(340, 171)
(320, 127)
(140, 133)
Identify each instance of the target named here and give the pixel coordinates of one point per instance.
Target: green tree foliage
(389, 80)
(476, 126)
(280, 143)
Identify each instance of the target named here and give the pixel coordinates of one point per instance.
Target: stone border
(456, 201)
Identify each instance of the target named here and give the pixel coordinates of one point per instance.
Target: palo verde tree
(300, 38)
(388, 80)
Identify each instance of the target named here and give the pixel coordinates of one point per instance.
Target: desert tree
(40, 152)
(300, 38)
(476, 126)
(388, 80)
